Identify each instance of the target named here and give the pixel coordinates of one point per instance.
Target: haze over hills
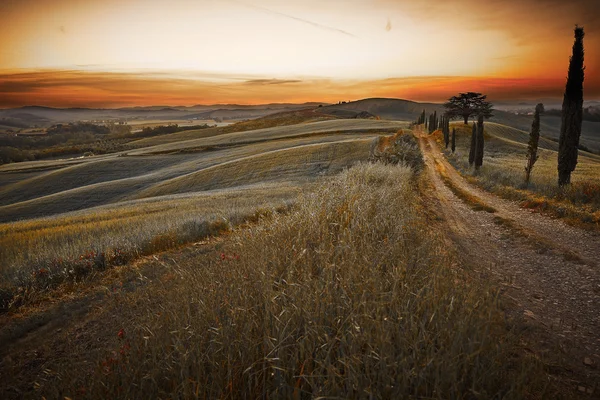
(40, 116)
(384, 108)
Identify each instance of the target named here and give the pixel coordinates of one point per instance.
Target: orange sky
(109, 53)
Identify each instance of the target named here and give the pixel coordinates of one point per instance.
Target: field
(503, 173)
(294, 256)
(159, 196)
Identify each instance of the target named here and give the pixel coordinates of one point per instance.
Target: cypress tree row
(534, 138)
(453, 139)
(479, 143)
(472, 148)
(572, 113)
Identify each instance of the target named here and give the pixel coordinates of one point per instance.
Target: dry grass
(301, 162)
(356, 126)
(475, 203)
(503, 173)
(350, 295)
(280, 119)
(39, 254)
(30, 193)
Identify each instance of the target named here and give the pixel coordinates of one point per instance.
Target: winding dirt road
(547, 271)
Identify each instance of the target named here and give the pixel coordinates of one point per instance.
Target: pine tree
(532, 146)
(473, 143)
(572, 113)
(479, 143)
(453, 139)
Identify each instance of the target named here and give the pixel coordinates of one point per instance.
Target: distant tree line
(166, 129)
(79, 127)
(591, 114)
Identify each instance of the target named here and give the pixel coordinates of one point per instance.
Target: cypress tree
(431, 123)
(472, 148)
(446, 138)
(453, 139)
(423, 117)
(534, 138)
(479, 143)
(572, 113)
(434, 121)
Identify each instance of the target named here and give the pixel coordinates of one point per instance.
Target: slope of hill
(36, 189)
(30, 116)
(394, 109)
(409, 111)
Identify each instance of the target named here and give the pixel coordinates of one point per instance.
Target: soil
(547, 272)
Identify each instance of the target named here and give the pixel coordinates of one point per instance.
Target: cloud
(60, 88)
(272, 81)
(305, 21)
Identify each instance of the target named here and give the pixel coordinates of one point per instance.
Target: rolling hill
(297, 153)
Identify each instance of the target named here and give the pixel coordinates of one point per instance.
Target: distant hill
(39, 116)
(385, 108)
(397, 109)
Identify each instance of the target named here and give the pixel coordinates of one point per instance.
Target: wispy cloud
(261, 82)
(303, 20)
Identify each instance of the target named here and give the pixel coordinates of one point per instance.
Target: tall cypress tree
(446, 138)
(430, 123)
(479, 143)
(572, 113)
(453, 139)
(532, 146)
(473, 142)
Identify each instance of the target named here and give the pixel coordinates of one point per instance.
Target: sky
(114, 53)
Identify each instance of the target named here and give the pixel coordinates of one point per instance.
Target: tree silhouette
(467, 104)
(473, 143)
(479, 143)
(532, 146)
(572, 113)
(453, 139)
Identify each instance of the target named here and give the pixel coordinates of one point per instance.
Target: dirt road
(547, 270)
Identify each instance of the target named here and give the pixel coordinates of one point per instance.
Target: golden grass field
(329, 279)
(164, 195)
(503, 172)
(349, 293)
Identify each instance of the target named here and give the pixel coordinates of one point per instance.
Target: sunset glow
(183, 52)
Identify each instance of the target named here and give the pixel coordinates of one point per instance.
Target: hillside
(396, 109)
(35, 189)
(278, 230)
(39, 116)
(393, 109)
